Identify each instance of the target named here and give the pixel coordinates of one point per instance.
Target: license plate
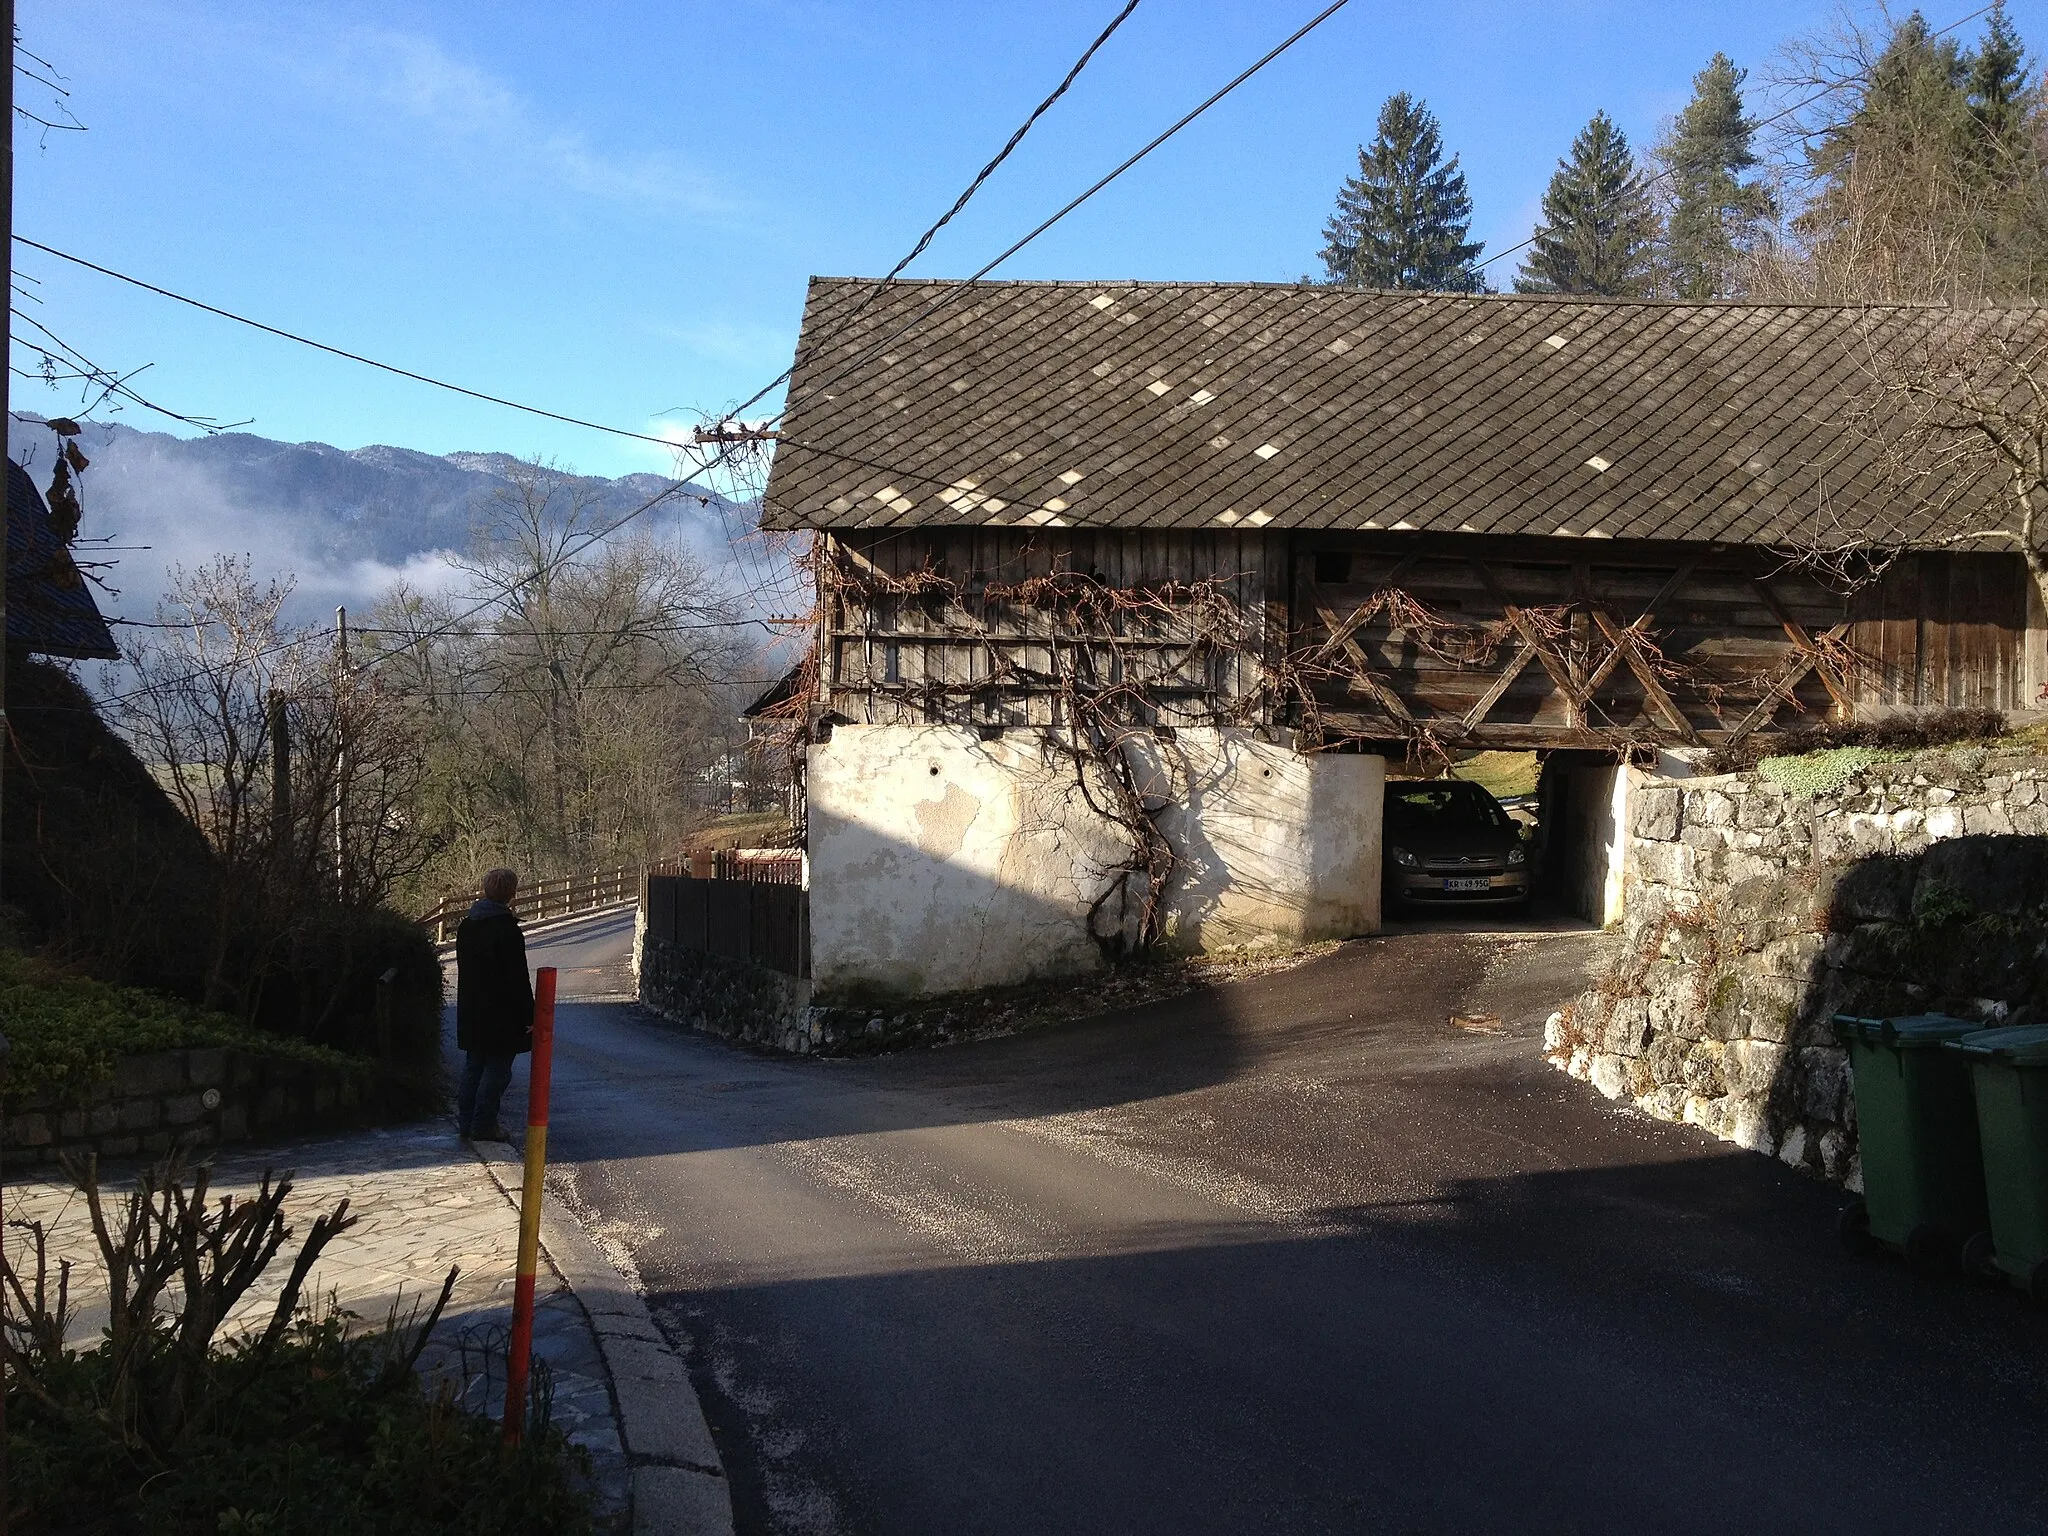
(1469, 883)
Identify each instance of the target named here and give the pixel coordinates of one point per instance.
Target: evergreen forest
(1874, 162)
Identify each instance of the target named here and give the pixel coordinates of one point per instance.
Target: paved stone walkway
(425, 1203)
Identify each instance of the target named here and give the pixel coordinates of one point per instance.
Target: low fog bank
(347, 524)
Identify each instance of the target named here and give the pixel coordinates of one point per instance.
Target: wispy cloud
(464, 108)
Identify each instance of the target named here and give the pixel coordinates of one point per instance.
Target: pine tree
(1599, 228)
(1714, 216)
(2002, 99)
(1932, 185)
(1401, 222)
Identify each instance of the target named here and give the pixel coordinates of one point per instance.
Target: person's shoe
(495, 1133)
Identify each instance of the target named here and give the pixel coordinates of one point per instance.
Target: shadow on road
(1668, 1346)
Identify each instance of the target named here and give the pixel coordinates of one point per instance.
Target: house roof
(1203, 405)
(49, 607)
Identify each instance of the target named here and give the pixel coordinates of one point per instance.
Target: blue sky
(610, 209)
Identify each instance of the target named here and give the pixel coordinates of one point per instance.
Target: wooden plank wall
(1945, 631)
(907, 660)
(1939, 630)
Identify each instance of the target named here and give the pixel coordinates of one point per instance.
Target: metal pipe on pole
(519, 1352)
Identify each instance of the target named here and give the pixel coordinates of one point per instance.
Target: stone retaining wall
(1756, 911)
(204, 1097)
(733, 999)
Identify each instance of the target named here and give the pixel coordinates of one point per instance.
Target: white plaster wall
(1597, 818)
(941, 862)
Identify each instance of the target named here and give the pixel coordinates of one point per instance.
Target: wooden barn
(1340, 522)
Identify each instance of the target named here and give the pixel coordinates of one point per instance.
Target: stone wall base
(198, 1098)
(728, 998)
(1756, 912)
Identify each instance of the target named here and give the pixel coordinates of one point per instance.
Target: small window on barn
(1332, 569)
(892, 663)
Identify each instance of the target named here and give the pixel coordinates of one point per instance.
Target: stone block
(207, 1068)
(119, 1146)
(102, 1119)
(1858, 835)
(1869, 890)
(140, 1114)
(1795, 957)
(325, 1097)
(182, 1109)
(1751, 1067)
(1759, 811)
(272, 1106)
(1709, 808)
(156, 1143)
(1627, 1027)
(28, 1130)
(158, 1072)
(1657, 813)
(234, 1121)
(1671, 864)
(71, 1125)
(1610, 1075)
(2006, 875)
(1823, 1082)
(1986, 821)
(1702, 1069)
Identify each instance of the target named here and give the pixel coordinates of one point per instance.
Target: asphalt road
(1294, 1255)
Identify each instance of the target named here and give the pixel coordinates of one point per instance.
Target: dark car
(1448, 843)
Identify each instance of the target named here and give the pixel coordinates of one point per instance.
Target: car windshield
(1448, 807)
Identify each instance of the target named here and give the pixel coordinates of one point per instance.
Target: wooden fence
(546, 900)
(765, 922)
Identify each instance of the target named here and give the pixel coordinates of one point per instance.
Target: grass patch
(66, 1032)
(1499, 773)
(748, 829)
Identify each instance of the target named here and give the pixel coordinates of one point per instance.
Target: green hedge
(66, 1032)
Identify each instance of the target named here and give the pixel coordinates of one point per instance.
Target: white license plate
(1469, 883)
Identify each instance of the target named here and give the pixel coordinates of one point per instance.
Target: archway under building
(1573, 805)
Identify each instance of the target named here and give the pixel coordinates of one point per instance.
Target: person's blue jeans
(485, 1076)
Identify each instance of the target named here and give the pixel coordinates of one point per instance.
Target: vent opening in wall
(1332, 569)
(892, 666)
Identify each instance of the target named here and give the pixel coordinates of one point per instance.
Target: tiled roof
(50, 609)
(1191, 405)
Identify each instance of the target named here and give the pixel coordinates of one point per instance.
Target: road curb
(679, 1486)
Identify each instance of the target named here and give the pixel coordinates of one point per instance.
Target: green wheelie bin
(2010, 1070)
(1916, 1121)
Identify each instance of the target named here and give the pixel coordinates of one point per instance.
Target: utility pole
(341, 754)
(6, 421)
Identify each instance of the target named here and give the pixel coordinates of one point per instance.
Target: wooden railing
(567, 895)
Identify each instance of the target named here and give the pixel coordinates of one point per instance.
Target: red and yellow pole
(519, 1354)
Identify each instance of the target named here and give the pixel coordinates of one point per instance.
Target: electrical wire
(354, 357)
(962, 284)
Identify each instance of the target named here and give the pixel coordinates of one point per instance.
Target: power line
(1797, 106)
(955, 290)
(1016, 138)
(354, 357)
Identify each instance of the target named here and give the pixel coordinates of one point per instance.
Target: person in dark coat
(493, 1005)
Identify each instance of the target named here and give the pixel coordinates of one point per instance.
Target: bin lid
(1918, 1031)
(2023, 1045)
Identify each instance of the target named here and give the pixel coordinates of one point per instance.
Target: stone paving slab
(425, 1202)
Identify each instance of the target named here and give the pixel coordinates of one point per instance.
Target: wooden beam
(1524, 654)
(1799, 637)
(1653, 689)
(1795, 668)
(1554, 665)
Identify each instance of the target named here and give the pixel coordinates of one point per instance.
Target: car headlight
(1404, 858)
(1517, 855)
